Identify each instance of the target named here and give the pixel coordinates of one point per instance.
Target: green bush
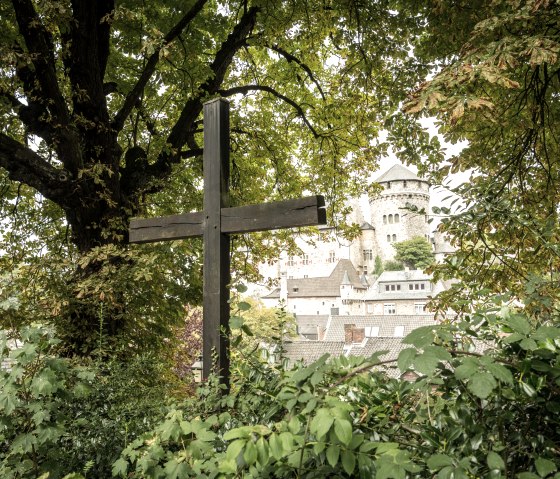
(58, 416)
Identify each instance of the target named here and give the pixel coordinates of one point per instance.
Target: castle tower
(390, 218)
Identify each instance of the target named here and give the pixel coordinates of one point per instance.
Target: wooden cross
(215, 224)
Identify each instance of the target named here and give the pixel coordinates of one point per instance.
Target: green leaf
(527, 475)
(120, 467)
(275, 446)
(250, 453)
(406, 357)
(321, 423)
(495, 461)
(234, 449)
(426, 363)
(243, 306)
(333, 451)
(545, 467)
(500, 372)
(348, 462)
(466, 369)
(482, 384)
(421, 337)
(343, 431)
(437, 461)
(528, 344)
(519, 323)
(176, 470)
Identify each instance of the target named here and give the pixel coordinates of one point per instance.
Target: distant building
(331, 287)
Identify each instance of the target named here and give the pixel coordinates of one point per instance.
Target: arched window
(384, 219)
(389, 238)
(397, 218)
(394, 237)
(390, 219)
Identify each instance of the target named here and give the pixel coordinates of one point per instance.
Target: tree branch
(149, 69)
(247, 88)
(182, 130)
(291, 58)
(26, 166)
(40, 46)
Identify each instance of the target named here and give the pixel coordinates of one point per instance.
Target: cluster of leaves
(415, 253)
(58, 416)
(471, 412)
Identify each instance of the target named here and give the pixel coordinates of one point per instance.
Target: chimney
(353, 334)
(348, 330)
(358, 335)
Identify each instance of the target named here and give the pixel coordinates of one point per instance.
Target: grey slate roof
(410, 275)
(310, 351)
(328, 286)
(309, 324)
(398, 172)
(385, 323)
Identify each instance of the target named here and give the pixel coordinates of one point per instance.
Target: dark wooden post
(216, 243)
(215, 224)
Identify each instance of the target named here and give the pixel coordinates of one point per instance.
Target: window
(371, 331)
(295, 290)
(368, 254)
(410, 287)
(394, 237)
(332, 257)
(306, 276)
(389, 308)
(397, 218)
(290, 260)
(390, 219)
(422, 286)
(387, 287)
(370, 308)
(364, 269)
(392, 287)
(399, 331)
(389, 185)
(416, 286)
(389, 238)
(398, 287)
(404, 183)
(306, 259)
(384, 219)
(419, 308)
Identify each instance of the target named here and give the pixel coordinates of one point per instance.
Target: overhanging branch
(151, 64)
(248, 88)
(26, 166)
(292, 58)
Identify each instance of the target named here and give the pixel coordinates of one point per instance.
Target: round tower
(392, 221)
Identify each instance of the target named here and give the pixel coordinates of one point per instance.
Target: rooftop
(398, 172)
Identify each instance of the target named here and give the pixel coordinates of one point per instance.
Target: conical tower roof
(398, 173)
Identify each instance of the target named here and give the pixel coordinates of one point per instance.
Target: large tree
(101, 120)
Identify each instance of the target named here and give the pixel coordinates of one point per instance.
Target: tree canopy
(415, 253)
(101, 120)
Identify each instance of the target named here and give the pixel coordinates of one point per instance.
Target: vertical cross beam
(215, 350)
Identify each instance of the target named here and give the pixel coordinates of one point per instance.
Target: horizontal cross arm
(308, 211)
(167, 228)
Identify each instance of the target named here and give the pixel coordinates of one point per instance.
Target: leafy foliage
(415, 253)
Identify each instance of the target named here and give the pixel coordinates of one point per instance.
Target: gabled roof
(398, 172)
(322, 287)
(386, 324)
(309, 324)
